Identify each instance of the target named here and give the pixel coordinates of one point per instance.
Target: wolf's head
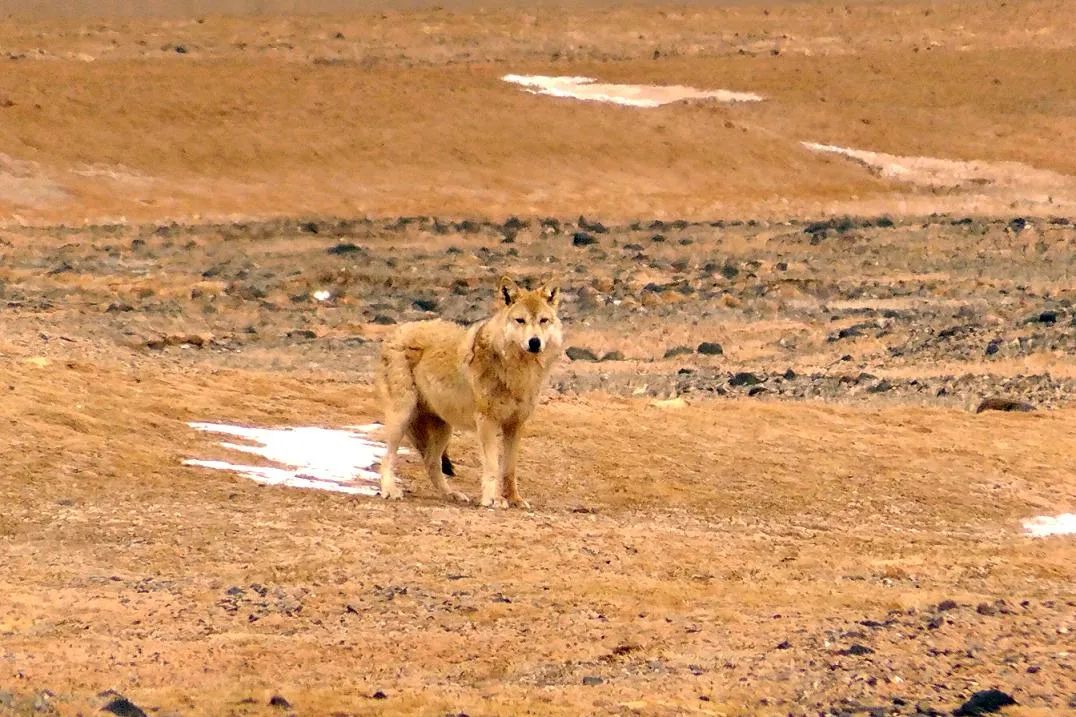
(529, 318)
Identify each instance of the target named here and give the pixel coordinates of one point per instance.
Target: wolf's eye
(543, 321)
(521, 321)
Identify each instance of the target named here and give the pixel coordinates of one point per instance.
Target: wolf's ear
(509, 290)
(550, 291)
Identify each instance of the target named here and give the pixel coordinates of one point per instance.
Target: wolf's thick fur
(436, 375)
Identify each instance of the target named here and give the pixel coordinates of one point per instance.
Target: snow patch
(341, 460)
(1044, 525)
(981, 175)
(589, 89)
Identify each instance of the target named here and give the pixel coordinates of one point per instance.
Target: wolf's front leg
(490, 437)
(511, 453)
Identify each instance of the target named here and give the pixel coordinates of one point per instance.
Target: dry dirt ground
(823, 525)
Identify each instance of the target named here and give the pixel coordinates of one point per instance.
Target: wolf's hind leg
(431, 436)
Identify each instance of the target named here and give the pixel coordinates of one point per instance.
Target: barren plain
(760, 483)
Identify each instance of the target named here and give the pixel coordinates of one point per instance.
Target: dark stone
(789, 374)
(1018, 225)
(658, 238)
(596, 227)
(678, 351)
(984, 702)
(935, 622)
(446, 465)
(993, 347)
(578, 353)
(118, 306)
(755, 390)
(181, 49)
(344, 248)
(729, 271)
(744, 378)
(880, 387)
(1047, 317)
(710, 348)
(309, 227)
(379, 695)
(847, 333)
(591, 680)
(856, 650)
(278, 701)
(425, 304)
(986, 609)
(1003, 404)
(613, 356)
(383, 320)
(124, 708)
(946, 605)
(583, 239)
(784, 645)
(301, 334)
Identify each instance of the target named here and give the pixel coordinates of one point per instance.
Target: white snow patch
(341, 460)
(1044, 525)
(981, 175)
(589, 89)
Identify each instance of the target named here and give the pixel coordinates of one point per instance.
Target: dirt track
(822, 526)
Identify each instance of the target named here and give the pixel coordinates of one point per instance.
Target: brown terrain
(760, 483)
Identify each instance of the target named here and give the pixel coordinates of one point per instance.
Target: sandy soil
(820, 525)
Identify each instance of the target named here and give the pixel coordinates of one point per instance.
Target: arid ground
(760, 485)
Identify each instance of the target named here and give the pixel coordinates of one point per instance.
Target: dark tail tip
(446, 465)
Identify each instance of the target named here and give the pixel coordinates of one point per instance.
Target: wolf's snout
(534, 345)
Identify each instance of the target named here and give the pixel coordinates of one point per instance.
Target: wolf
(437, 375)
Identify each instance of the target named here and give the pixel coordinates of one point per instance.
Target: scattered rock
(425, 304)
(613, 356)
(578, 353)
(382, 320)
(1047, 317)
(583, 239)
(678, 351)
(596, 227)
(710, 348)
(984, 702)
(591, 680)
(123, 707)
(278, 701)
(379, 695)
(993, 347)
(744, 378)
(856, 650)
(344, 248)
(1003, 404)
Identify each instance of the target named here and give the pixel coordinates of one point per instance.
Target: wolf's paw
(494, 502)
(517, 502)
(393, 492)
(458, 497)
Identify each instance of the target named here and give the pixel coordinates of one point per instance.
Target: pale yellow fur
(436, 375)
